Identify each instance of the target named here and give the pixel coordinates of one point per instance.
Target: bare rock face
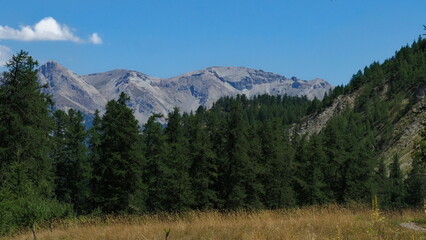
(68, 89)
(155, 95)
(406, 128)
(315, 123)
(406, 134)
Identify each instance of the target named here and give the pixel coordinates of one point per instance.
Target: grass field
(328, 222)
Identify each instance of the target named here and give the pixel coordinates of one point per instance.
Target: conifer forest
(242, 154)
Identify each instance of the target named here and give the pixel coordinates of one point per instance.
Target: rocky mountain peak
(52, 67)
(155, 95)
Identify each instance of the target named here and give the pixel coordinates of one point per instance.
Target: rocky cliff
(155, 95)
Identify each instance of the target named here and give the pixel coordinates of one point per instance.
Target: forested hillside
(236, 155)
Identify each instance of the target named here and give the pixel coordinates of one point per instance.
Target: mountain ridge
(149, 94)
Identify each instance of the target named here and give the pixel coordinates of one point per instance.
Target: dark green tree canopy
(118, 172)
(27, 124)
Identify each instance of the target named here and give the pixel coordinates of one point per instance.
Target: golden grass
(327, 222)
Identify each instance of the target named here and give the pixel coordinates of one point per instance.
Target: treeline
(236, 155)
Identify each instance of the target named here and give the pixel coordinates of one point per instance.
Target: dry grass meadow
(327, 222)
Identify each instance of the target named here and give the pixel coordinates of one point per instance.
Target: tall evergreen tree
(311, 160)
(381, 184)
(94, 144)
(416, 179)
(255, 189)
(155, 171)
(78, 155)
(416, 183)
(178, 189)
(118, 174)
(216, 121)
(277, 158)
(334, 139)
(239, 173)
(203, 171)
(397, 190)
(72, 165)
(359, 164)
(25, 138)
(60, 156)
(26, 169)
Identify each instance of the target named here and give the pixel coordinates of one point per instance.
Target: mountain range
(150, 95)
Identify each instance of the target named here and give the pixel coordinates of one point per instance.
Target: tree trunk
(34, 232)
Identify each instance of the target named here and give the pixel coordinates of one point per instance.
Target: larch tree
(26, 168)
(203, 170)
(25, 140)
(178, 189)
(416, 179)
(118, 173)
(73, 170)
(156, 169)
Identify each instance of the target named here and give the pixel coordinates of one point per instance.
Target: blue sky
(330, 39)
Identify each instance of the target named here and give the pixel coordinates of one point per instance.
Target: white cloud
(5, 54)
(48, 29)
(95, 39)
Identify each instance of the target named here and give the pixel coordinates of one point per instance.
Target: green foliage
(154, 173)
(264, 107)
(203, 171)
(178, 190)
(118, 173)
(416, 179)
(94, 157)
(278, 165)
(28, 211)
(350, 155)
(24, 113)
(382, 185)
(397, 190)
(238, 179)
(309, 178)
(237, 155)
(73, 170)
(26, 169)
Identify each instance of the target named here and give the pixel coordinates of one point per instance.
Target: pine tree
(334, 177)
(277, 158)
(60, 156)
(359, 174)
(254, 187)
(302, 163)
(118, 174)
(178, 189)
(350, 156)
(94, 141)
(416, 183)
(397, 190)
(238, 168)
(218, 134)
(382, 185)
(203, 171)
(26, 170)
(73, 171)
(94, 144)
(27, 124)
(315, 171)
(81, 169)
(416, 179)
(154, 173)
(309, 180)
